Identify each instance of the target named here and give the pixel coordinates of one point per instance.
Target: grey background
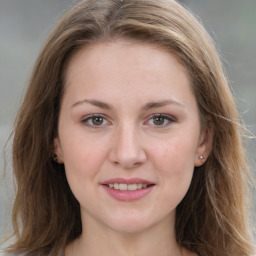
(25, 24)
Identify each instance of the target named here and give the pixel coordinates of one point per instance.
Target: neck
(97, 240)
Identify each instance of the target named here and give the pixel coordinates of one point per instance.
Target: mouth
(128, 187)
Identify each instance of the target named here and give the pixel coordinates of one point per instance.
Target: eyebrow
(96, 103)
(146, 107)
(162, 103)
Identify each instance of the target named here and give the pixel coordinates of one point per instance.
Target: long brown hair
(212, 218)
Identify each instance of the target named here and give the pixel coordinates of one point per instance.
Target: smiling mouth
(128, 190)
(128, 187)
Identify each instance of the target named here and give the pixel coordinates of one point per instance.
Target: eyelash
(89, 118)
(166, 118)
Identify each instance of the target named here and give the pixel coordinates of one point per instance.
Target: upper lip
(127, 181)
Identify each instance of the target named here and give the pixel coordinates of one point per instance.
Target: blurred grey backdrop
(25, 24)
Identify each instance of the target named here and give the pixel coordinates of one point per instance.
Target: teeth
(133, 187)
(139, 186)
(124, 187)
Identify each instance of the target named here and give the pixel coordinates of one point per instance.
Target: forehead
(123, 55)
(123, 67)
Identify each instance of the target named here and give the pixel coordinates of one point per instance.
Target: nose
(126, 149)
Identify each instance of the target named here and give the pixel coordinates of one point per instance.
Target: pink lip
(128, 195)
(127, 181)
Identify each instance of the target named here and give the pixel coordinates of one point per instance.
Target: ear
(58, 155)
(204, 144)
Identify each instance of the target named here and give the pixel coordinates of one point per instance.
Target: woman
(128, 139)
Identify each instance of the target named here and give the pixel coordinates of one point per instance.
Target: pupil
(97, 120)
(159, 120)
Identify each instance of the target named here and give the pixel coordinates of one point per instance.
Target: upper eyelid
(167, 116)
(88, 117)
(94, 115)
(161, 115)
(170, 119)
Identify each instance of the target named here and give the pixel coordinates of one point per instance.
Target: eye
(160, 120)
(95, 121)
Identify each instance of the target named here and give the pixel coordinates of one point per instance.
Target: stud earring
(201, 159)
(55, 158)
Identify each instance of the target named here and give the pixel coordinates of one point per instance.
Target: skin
(119, 81)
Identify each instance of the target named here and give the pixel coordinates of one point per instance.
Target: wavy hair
(212, 218)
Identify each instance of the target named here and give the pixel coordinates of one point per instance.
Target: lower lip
(128, 195)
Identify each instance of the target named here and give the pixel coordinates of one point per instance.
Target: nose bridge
(127, 149)
(126, 141)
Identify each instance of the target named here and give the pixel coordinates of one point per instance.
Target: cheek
(82, 156)
(82, 161)
(174, 161)
(176, 152)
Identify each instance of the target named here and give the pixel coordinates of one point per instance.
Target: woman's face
(129, 135)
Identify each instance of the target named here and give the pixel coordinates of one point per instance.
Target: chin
(130, 224)
(130, 228)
